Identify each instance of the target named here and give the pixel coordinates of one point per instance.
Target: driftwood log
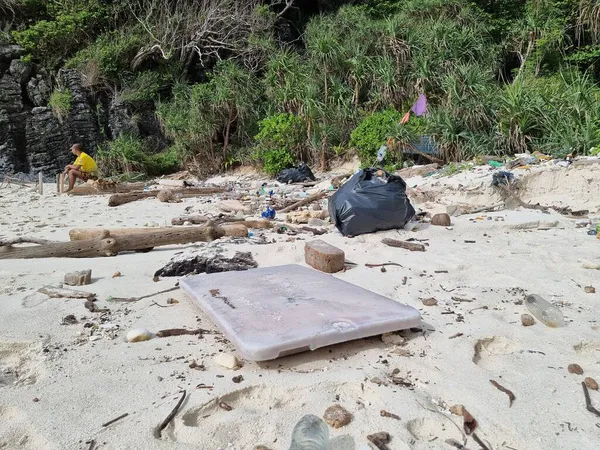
(102, 187)
(412, 246)
(121, 199)
(107, 245)
(308, 200)
(83, 234)
(196, 220)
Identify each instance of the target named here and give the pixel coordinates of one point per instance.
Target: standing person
(83, 168)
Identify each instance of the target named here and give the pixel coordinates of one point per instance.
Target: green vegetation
(501, 76)
(126, 155)
(60, 102)
(279, 142)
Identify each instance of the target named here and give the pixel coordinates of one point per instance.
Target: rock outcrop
(33, 139)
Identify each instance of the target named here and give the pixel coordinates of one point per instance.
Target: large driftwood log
(413, 247)
(107, 245)
(308, 200)
(85, 234)
(196, 220)
(121, 199)
(102, 187)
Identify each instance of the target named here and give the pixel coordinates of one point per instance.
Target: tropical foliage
(284, 82)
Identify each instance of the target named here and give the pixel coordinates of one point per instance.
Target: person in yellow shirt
(83, 168)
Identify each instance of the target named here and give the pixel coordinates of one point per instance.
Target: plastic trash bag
(372, 200)
(302, 173)
(502, 178)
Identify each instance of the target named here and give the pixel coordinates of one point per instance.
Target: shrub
(279, 141)
(126, 155)
(111, 53)
(144, 87)
(60, 102)
(373, 132)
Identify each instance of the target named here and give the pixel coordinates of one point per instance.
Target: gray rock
(80, 278)
(8, 52)
(39, 91)
(21, 70)
(10, 94)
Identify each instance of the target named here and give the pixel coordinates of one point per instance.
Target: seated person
(83, 168)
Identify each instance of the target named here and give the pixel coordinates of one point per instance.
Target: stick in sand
(306, 201)
(171, 416)
(588, 400)
(137, 299)
(110, 422)
(405, 245)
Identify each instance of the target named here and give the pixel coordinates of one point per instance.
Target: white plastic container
(544, 311)
(310, 433)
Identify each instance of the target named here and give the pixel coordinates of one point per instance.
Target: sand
(57, 387)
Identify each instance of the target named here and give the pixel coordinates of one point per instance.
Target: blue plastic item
(269, 213)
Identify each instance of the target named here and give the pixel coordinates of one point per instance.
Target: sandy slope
(81, 384)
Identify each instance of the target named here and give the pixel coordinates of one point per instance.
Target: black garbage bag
(368, 202)
(302, 173)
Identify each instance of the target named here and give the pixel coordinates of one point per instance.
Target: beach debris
(121, 199)
(589, 289)
(233, 206)
(107, 244)
(227, 360)
(117, 275)
(469, 422)
(238, 379)
(137, 299)
(591, 383)
(306, 201)
(337, 416)
(441, 220)
(224, 406)
(527, 320)
(429, 301)
(53, 292)
(588, 400)
(170, 417)
(139, 335)
(324, 257)
(315, 222)
(95, 338)
(413, 247)
(454, 336)
(511, 395)
(172, 301)
(116, 419)
(380, 440)
(392, 338)
(299, 217)
(384, 413)
(180, 332)
(575, 369)
(591, 265)
(201, 264)
(79, 278)
(70, 320)
(383, 265)
(370, 201)
(167, 196)
(296, 175)
(194, 219)
(544, 311)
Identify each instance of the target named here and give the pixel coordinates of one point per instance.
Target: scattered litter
(589, 289)
(527, 320)
(324, 257)
(429, 301)
(575, 369)
(337, 416)
(80, 278)
(116, 275)
(380, 440)
(224, 406)
(545, 312)
(511, 396)
(298, 175)
(441, 220)
(139, 335)
(384, 413)
(227, 360)
(591, 383)
(179, 267)
(413, 247)
(502, 178)
(69, 320)
(370, 201)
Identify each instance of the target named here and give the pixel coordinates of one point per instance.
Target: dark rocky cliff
(33, 139)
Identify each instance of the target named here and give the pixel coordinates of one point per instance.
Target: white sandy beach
(57, 387)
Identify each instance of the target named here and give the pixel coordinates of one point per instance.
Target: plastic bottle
(310, 433)
(545, 312)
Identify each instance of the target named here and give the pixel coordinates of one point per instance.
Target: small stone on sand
(336, 416)
(591, 383)
(227, 360)
(575, 368)
(527, 320)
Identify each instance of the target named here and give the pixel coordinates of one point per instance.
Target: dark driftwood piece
(308, 200)
(110, 246)
(180, 332)
(171, 416)
(511, 396)
(110, 422)
(588, 400)
(121, 199)
(196, 220)
(413, 247)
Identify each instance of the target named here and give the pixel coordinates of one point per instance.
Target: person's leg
(73, 175)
